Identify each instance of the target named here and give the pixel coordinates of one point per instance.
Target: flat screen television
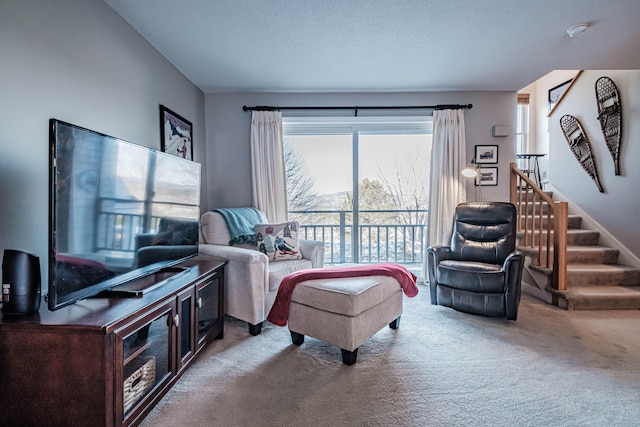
(117, 212)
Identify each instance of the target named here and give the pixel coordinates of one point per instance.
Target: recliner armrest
(512, 267)
(435, 254)
(142, 240)
(440, 252)
(313, 250)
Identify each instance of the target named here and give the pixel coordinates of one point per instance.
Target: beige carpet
(440, 368)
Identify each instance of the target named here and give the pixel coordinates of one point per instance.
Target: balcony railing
(118, 223)
(383, 235)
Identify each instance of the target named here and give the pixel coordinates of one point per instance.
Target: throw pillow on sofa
(279, 241)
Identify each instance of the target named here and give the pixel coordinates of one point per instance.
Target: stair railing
(535, 210)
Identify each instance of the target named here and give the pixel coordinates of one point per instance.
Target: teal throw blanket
(241, 223)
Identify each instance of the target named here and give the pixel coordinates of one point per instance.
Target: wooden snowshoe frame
(610, 117)
(580, 146)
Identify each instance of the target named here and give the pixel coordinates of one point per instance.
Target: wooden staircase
(590, 277)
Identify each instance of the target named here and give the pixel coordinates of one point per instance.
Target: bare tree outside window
(300, 184)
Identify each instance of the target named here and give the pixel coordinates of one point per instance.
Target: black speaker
(20, 283)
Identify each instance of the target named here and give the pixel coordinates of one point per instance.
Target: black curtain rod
(356, 108)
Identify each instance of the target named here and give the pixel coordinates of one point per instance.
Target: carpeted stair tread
(601, 297)
(582, 237)
(589, 274)
(602, 274)
(574, 237)
(593, 254)
(588, 267)
(573, 221)
(535, 207)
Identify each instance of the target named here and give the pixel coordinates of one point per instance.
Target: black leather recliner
(176, 238)
(481, 271)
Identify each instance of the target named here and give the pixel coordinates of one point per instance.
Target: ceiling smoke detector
(576, 30)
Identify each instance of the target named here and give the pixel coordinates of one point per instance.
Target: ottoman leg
(395, 324)
(297, 338)
(349, 357)
(255, 329)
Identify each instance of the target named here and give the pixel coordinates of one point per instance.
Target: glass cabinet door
(208, 311)
(186, 334)
(146, 356)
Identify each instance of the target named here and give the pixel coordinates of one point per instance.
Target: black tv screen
(118, 211)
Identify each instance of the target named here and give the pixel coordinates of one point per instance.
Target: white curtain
(267, 164)
(448, 158)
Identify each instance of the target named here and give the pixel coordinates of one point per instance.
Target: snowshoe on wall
(610, 117)
(579, 144)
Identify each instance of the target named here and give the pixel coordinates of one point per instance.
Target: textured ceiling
(383, 45)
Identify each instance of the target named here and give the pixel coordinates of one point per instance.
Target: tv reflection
(117, 207)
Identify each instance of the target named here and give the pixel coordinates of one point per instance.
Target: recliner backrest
(176, 231)
(484, 231)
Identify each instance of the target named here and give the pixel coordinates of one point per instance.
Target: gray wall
(228, 132)
(77, 61)
(615, 209)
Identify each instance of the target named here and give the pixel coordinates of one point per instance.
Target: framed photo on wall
(487, 177)
(486, 154)
(556, 92)
(176, 134)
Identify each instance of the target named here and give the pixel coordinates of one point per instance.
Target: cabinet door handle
(199, 302)
(176, 320)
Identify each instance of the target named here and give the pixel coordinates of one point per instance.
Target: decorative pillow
(279, 241)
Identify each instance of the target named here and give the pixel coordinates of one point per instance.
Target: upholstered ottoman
(344, 311)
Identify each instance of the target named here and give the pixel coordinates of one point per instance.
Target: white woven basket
(141, 380)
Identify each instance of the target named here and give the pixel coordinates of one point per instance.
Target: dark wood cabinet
(108, 361)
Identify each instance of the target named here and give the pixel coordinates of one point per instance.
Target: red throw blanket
(279, 313)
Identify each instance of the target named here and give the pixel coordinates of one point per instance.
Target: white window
(360, 184)
(522, 124)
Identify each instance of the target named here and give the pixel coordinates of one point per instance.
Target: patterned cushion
(279, 241)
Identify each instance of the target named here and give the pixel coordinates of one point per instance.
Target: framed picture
(556, 92)
(176, 134)
(487, 177)
(486, 154)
